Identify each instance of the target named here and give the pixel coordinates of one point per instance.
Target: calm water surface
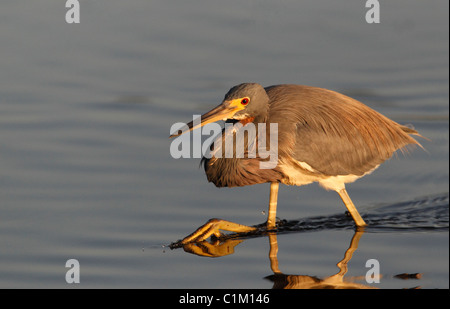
(85, 168)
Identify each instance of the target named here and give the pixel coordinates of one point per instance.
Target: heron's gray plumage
(330, 132)
(333, 133)
(322, 136)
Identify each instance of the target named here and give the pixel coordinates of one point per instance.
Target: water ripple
(428, 213)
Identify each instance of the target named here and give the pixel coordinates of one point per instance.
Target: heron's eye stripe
(245, 101)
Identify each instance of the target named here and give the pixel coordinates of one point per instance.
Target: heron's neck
(261, 117)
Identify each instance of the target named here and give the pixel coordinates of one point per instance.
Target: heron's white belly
(304, 174)
(298, 173)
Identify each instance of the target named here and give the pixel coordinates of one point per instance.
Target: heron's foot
(212, 228)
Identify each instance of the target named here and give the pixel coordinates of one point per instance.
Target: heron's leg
(213, 227)
(271, 218)
(351, 207)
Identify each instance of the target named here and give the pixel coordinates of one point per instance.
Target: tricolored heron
(323, 136)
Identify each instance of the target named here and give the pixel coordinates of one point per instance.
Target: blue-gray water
(85, 113)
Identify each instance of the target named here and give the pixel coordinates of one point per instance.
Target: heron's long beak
(224, 111)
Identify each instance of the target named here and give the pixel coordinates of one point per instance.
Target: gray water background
(85, 113)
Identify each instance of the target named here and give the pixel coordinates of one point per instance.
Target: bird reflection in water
(225, 246)
(218, 247)
(336, 281)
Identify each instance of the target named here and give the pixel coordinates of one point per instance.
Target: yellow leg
(351, 208)
(213, 227)
(272, 217)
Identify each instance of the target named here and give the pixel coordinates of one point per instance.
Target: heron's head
(245, 102)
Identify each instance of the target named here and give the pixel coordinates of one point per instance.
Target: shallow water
(86, 173)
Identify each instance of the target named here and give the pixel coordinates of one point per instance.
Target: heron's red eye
(245, 101)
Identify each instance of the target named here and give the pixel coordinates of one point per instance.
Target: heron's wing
(332, 133)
